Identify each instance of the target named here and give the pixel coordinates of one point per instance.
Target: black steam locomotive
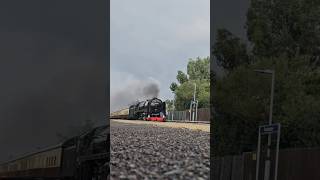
(82, 157)
(151, 110)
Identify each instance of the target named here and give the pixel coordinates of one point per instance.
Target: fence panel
(203, 115)
(237, 168)
(226, 170)
(294, 164)
(216, 168)
(177, 115)
(249, 166)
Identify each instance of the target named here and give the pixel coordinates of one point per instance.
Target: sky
(150, 40)
(230, 14)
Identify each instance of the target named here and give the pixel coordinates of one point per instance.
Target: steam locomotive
(150, 110)
(82, 157)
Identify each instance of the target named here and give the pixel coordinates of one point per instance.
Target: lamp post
(267, 162)
(172, 109)
(194, 92)
(194, 99)
(194, 105)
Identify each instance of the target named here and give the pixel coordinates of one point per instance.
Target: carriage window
(50, 161)
(54, 160)
(46, 163)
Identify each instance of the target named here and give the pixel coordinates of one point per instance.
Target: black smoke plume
(151, 90)
(137, 90)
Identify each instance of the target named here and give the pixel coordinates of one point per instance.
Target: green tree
(182, 77)
(198, 69)
(173, 86)
(197, 73)
(288, 27)
(242, 102)
(229, 51)
(169, 104)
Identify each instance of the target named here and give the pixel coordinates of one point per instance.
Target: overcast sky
(151, 40)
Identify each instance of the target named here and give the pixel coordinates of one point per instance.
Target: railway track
(171, 124)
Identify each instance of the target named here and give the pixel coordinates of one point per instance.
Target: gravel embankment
(144, 151)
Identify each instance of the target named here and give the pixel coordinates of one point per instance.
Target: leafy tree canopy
(182, 77)
(169, 104)
(197, 73)
(284, 26)
(198, 69)
(229, 51)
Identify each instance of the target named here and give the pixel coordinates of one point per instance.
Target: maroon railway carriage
(46, 163)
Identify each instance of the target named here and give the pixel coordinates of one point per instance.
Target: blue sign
(269, 129)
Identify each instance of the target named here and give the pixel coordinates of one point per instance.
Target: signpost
(268, 130)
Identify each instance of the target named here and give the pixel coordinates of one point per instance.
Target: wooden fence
(203, 115)
(294, 164)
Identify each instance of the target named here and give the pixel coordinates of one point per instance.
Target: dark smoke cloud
(150, 90)
(137, 90)
(52, 71)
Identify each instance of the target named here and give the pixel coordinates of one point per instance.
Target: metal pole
(196, 110)
(171, 115)
(271, 99)
(190, 117)
(194, 92)
(277, 153)
(258, 156)
(193, 111)
(267, 162)
(173, 109)
(194, 101)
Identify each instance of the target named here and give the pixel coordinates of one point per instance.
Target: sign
(269, 129)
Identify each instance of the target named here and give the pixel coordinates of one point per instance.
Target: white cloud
(153, 38)
(194, 32)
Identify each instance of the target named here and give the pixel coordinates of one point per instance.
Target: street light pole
(194, 101)
(268, 160)
(193, 105)
(194, 92)
(173, 108)
(271, 99)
